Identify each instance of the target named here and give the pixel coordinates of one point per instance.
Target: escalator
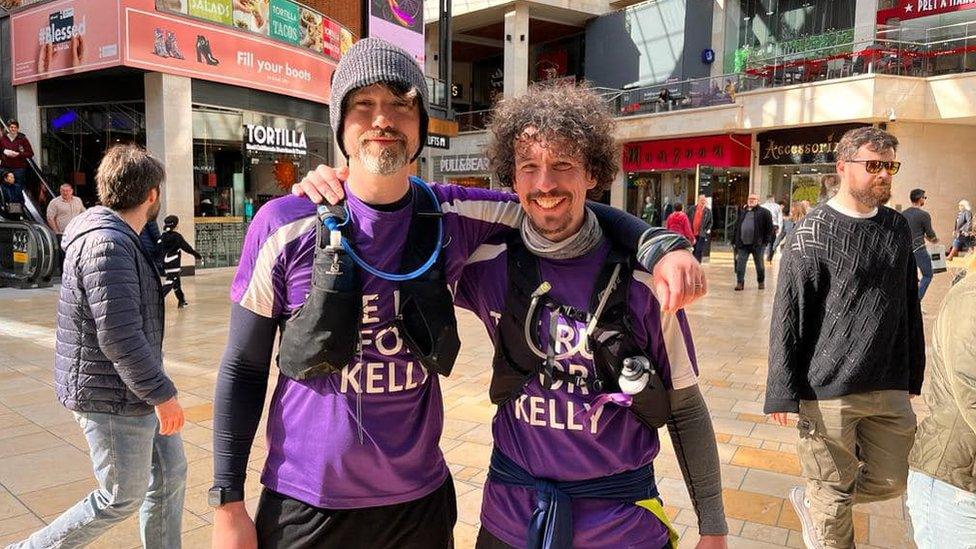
(29, 250)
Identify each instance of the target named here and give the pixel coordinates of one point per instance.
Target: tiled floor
(44, 466)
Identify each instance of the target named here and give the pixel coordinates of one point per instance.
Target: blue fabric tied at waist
(551, 525)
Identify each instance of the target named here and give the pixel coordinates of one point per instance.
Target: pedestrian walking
(15, 151)
(920, 223)
(846, 346)
(797, 212)
(678, 222)
(149, 239)
(108, 369)
(753, 231)
(701, 225)
(962, 231)
(942, 480)
(776, 212)
(171, 248)
(62, 210)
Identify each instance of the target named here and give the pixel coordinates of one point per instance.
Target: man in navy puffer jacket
(109, 363)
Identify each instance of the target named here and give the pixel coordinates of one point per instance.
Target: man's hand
(678, 280)
(711, 542)
(780, 417)
(233, 528)
(10, 153)
(324, 184)
(170, 415)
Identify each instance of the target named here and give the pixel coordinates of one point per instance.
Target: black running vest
(611, 342)
(323, 336)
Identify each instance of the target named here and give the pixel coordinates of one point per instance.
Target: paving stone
(779, 462)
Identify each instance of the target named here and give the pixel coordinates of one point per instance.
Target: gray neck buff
(581, 243)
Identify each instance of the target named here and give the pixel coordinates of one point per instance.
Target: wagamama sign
(274, 140)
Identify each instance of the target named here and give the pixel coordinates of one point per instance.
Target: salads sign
(218, 11)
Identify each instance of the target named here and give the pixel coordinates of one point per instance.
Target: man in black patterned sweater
(846, 345)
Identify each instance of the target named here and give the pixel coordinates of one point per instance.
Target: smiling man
(586, 365)
(846, 343)
(360, 297)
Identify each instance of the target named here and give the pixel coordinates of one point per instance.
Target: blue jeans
(924, 262)
(137, 469)
(943, 516)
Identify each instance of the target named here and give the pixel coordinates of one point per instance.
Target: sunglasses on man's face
(874, 166)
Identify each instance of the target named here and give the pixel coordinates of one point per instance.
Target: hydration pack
(323, 336)
(609, 336)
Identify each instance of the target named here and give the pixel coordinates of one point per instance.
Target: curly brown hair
(572, 116)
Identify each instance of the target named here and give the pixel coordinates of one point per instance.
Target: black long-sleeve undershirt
(242, 383)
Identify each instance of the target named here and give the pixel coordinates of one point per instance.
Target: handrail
(878, 56)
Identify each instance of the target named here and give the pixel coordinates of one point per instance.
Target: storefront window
(74, 138)
(759, 29)
(242, 159)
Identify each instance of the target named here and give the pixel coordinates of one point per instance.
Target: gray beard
(389, 161)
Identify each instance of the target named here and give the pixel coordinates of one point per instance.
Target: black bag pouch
(322, 336)
(652, 405)
(427, 323)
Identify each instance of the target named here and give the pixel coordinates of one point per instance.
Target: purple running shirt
(547, 432)
(368, 435)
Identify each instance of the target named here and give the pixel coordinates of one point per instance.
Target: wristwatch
(218, 496)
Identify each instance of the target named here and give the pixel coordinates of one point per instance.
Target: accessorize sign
(720, 151)
(400, 22)
(913, 9)
(66, 37)
(274, 140)
(815, 145)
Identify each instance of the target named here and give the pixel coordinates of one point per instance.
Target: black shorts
(425, 523)
(487, 540)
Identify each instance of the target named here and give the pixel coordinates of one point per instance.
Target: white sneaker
(798, 497)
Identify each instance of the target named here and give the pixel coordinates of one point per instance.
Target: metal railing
(947, 55)
(472, 121)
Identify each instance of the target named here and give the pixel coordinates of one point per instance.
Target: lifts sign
(274, 140)
(913, 9)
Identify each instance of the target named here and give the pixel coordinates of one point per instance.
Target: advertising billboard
(284, 26)
(400, 22)
(62, 38)
(223, 55)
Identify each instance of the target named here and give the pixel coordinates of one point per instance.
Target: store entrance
(729, 193)
(74, 139)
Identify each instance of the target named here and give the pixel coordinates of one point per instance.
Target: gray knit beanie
(370, 61)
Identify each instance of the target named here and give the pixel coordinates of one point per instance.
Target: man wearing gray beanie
(353, 456)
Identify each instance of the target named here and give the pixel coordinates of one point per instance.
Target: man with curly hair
(575, 432)
(353, 432)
